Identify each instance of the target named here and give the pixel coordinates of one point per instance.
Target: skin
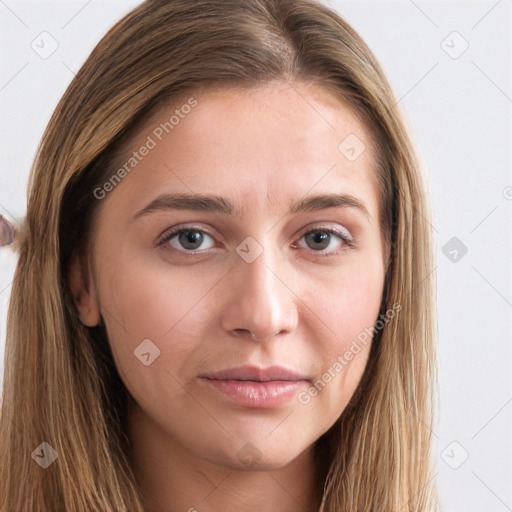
(261, 149)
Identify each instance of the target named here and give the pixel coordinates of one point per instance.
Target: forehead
(264, 147)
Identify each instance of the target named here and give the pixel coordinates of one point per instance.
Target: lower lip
(258, 395)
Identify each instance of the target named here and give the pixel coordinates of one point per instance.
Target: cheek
(349, 306)
(140, 302)
(168, 308)
(349, 301)
(354, 312)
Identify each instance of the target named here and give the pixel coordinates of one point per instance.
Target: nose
(260, 303)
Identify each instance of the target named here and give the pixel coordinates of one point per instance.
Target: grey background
(459, 108)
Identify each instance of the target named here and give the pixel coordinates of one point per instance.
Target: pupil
(320, 237)
(190, 237)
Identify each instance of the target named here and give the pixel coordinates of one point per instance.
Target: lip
(257, 374)
(255, 387)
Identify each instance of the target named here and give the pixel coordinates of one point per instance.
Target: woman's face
(221, 332)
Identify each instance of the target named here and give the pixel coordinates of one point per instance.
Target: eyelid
(168, 234)
(347, 241)
(343, 234)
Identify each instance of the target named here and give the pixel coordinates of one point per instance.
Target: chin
(255, 456)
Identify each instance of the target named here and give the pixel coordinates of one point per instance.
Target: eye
(320, 239)
(189, 239)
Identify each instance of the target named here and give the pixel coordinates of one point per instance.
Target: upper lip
(255, 373)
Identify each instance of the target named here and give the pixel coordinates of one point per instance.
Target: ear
(84, 294)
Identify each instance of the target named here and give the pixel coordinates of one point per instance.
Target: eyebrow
(217, 204)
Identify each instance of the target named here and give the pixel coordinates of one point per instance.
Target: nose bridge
(261, 279)
(261, 302)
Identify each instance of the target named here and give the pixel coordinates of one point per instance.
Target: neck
(174, 480)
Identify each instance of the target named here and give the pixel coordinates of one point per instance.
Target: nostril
(266, 337)
(241, 332)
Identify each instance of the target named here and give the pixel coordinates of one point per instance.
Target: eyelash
(347, 242)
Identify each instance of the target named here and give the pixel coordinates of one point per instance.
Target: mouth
(257, 374)
(258, 388)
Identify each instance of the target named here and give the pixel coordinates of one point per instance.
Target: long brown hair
(60, 383)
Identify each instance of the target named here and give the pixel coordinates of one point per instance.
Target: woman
(223, 297)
